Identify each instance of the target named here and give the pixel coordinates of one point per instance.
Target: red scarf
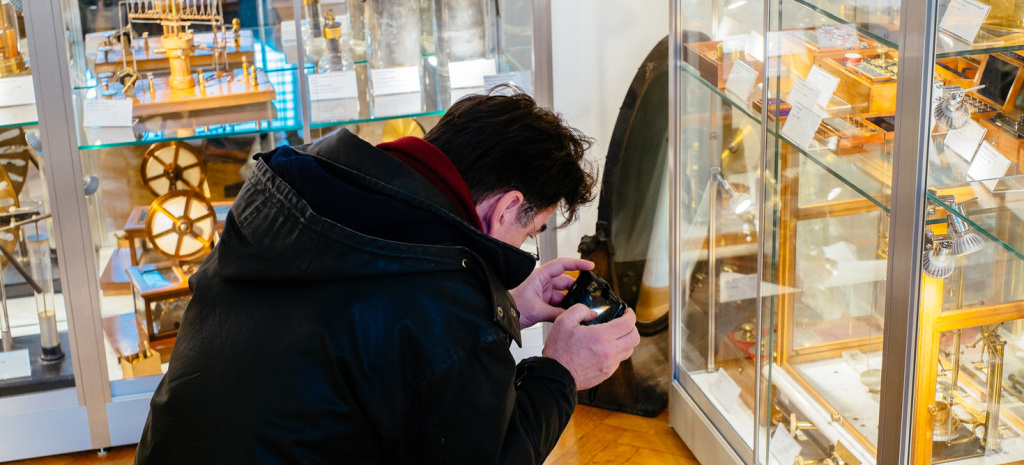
(434, 165)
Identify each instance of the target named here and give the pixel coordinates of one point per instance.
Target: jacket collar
(355, 161)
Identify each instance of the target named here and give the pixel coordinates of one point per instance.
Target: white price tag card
(399, 80)
(755, 46)
(803, 94)
(825, 82)
(107, 113)
(965, 141)
(783, 446)
(801, 125)
(469, 73)
(963, 18)
(741, 80)
(520, 79)
(988, 165)
(15, 364)
(333, 86)
(726, 391)
(17, 90)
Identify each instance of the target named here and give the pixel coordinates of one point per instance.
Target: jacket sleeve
(484, 409)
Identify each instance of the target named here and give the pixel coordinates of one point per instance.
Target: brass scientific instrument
(181, 89)
(11, 60)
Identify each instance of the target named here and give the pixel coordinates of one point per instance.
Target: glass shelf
(844, 168)
(281, 114)
(880, 22)
(868, 173)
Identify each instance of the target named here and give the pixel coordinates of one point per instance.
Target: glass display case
(153, 110)
(39, 368)
(846, 247)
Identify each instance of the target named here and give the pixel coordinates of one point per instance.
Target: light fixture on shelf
(739, 202)
(937, 259)
(964, 241)
(950, 110)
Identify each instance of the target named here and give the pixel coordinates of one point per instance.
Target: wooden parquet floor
(593, 437)
(601, 437)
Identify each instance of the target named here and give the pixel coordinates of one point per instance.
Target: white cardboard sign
(963, 18)
(401, 80)
(333, 86)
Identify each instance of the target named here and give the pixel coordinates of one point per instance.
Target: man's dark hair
(501, 143)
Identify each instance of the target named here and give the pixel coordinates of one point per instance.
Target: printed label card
(963, 19)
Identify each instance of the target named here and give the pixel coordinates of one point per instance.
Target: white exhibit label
(963, 18)
(741, 80)
(520, 79)
(288, 32)
(394, 105)
(334, 85)
(726, 391)
(469, 73)
(803, 94)
(736, 286)
(801, 125)
(107, 113)
(965, 141)
(988, 165)
(400, 80)
(825, 82)
(783, 446)
(17, 90)
(15, 364)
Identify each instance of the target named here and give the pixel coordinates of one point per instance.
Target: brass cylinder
(179, 49)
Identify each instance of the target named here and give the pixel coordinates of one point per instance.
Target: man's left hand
(538, 297)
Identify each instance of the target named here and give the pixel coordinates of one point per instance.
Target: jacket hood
(372, 216)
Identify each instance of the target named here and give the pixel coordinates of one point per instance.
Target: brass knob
(795, 426)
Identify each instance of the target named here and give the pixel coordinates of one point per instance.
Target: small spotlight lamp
(937, 259)
(739, 202)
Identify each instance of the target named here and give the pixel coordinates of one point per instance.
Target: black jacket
(350, 341)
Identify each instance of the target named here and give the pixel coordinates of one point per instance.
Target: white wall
(597, 47)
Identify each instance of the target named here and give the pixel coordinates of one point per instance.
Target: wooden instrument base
(228, 89)
(150, 60)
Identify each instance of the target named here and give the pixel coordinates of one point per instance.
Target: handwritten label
(391, 81)
(963, 19)
(825, 82)
(783, 446)
(741, 80)
(801, 125)
(965, 141)
(15, 364)
(16, 90)
(726, 392)
(107, 113)
(333, 86)
(803, 94)
(988, 165)
(469, 73)
(520, 79)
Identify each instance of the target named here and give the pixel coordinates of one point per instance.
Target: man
(356, 309)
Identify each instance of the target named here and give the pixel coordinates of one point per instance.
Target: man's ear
(500, 212)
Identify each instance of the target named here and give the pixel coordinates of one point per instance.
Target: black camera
(597, 295)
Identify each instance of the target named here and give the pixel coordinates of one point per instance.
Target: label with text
(333, 86)
(469, 73)
(399, 80)
(963, 18)
(741, 80)
(965, 140)
(107, 113)
(988, 165)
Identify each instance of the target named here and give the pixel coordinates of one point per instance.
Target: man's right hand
(591, 353)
